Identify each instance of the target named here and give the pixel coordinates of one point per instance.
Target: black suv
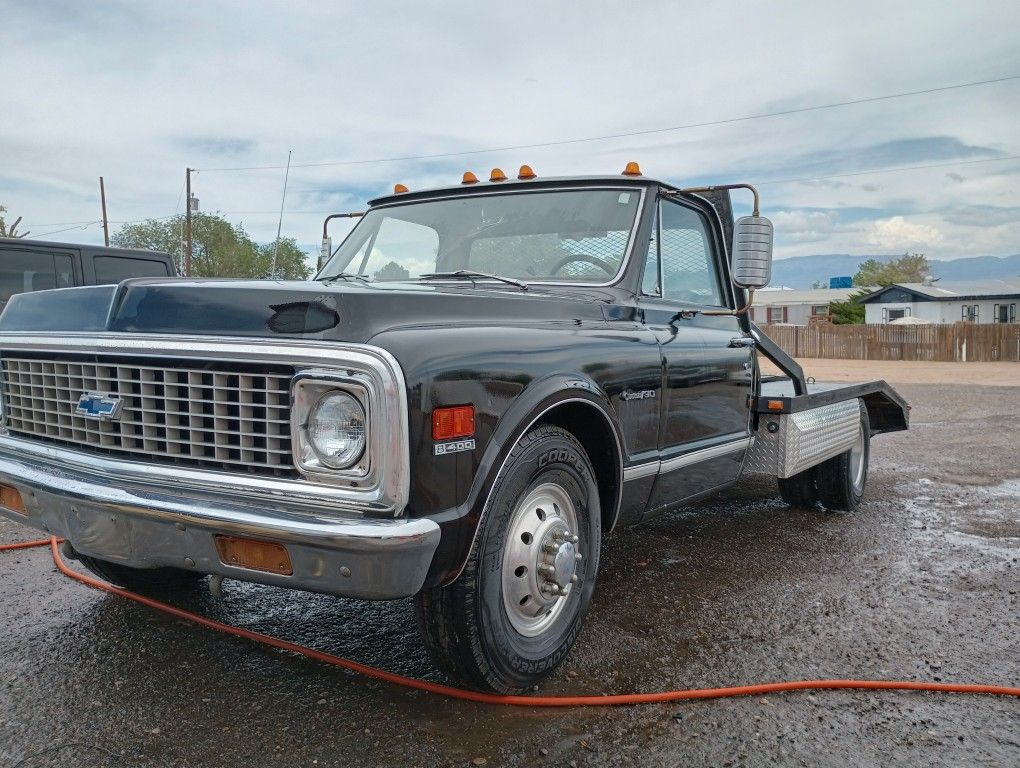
(33, 265)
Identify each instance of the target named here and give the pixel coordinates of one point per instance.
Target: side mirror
(751, 259)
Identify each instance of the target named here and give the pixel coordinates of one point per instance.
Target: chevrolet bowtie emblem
(99, 406)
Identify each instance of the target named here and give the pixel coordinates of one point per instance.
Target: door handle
(741, 341)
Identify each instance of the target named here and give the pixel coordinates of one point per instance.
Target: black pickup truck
(481, 383)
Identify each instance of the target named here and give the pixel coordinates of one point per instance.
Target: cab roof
(616, 180)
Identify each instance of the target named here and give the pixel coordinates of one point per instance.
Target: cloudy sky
(136, 92)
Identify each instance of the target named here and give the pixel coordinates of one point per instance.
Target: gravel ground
(921, 584)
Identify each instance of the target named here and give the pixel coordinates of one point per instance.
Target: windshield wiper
(344, 276)
(470, 274)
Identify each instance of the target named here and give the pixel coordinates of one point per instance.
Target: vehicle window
(688, 257)
(401, 250)
(650, 279)
(558, 236)
(24, 271)
(113, 269)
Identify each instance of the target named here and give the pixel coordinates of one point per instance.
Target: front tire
(515, 611)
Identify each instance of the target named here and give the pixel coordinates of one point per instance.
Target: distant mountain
(803, 271)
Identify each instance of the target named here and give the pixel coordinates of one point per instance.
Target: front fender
(460, 524)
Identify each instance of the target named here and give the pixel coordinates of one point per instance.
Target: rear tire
(142, 579)
(801, 490)
(513, 614)
(841, 479)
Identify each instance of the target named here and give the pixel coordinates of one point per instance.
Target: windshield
(560, 236)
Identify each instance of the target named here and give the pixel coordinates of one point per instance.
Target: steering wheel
(609, 269)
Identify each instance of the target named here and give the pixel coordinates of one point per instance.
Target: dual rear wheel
(838, 484)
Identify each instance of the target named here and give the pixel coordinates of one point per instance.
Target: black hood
(352, 312)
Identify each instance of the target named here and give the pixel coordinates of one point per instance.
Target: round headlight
(336, 430)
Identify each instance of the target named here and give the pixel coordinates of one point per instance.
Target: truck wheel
(141, 579)
(801, 490)
(842, 478)
(514, 612)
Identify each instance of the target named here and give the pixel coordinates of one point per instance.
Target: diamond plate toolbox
(788, 443)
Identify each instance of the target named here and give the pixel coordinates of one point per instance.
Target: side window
(402, 250)
(64, 269)
(650, 280)
(113, 269)
(688, 256)
(25, 271)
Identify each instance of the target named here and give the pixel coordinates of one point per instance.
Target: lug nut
(545, 568)
(573, 539)
(578, 557)
(549, 547)
(573, 579)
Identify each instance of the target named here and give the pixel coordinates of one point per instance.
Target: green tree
(908, 268)
(219, 248)
(849, 312)
(9, 230)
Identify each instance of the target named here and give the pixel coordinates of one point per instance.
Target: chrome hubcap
(540, 559)
(857, 460)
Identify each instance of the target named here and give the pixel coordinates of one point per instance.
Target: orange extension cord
(518, 701)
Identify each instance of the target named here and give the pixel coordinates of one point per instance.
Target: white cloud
(896, 233)
(137, 91)
(804, 226)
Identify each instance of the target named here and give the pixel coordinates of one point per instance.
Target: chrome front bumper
(146, 525)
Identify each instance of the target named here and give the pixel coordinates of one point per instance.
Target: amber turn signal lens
(10, 498)
(399, 189)
(469, 178)
(632, 169)
(448, 423)
(254, 554)
(775, 405)
(526, 172)
(497, 175)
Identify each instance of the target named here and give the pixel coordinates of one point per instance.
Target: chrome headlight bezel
(307, 391)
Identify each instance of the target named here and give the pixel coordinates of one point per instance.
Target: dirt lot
(921, 584)
(908, 372)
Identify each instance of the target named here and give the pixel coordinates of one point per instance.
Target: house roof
(952, 291)
(776, 297)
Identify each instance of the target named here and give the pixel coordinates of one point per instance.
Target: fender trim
(561, 391)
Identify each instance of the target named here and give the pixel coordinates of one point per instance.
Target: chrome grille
(215, 415)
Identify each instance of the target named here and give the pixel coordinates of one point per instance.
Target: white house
(783, 305)
(985, 301)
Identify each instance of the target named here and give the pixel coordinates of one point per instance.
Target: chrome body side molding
(662, 467)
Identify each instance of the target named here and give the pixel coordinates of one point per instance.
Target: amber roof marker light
(632, 169)
(526, 173)
(469, 178)
(399, 189)
(497, 175)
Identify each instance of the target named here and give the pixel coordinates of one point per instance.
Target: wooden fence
(960, 342)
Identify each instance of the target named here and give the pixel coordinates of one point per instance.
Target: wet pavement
(921, 584)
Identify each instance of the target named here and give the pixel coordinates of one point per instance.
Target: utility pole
(187, 219)
(106, 223)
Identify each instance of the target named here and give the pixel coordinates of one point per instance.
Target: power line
(84, 225)
(893, 170)
(627, 134)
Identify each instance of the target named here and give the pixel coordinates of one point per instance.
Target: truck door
(705, 419)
